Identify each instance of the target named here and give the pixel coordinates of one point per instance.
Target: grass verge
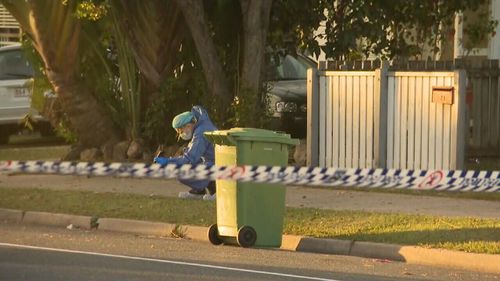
(464, 234)
(33, 153)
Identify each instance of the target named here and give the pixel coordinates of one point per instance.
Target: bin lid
(232, 136)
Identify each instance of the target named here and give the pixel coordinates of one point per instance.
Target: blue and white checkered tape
(479, 181)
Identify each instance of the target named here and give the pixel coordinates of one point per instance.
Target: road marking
(170, 262)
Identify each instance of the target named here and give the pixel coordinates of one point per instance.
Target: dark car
(287, 78)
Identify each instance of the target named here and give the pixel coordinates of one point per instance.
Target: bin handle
(231, 139)
(227, 139)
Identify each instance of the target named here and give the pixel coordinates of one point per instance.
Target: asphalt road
(30, 252)
(35, 263)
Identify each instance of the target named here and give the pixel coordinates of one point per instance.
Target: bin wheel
(213, 235)
(246, 236)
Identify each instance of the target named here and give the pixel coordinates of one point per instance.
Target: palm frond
(155, 30)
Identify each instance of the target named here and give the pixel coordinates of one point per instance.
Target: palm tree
(56, 35)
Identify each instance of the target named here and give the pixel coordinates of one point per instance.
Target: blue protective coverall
(199, 149)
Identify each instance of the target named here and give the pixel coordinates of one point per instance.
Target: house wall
(10, 32)
(489, 49)
(494, 47)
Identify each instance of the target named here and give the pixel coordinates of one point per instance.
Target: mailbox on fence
(442, 95)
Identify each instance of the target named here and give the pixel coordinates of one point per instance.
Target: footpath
(297, 196)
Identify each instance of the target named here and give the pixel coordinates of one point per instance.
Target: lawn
(464, 234)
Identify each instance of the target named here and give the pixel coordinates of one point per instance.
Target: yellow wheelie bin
(249, 214)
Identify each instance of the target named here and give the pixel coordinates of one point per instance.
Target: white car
(15, 93)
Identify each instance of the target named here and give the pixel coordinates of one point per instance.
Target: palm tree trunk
(255, 15)
(87, 117)
(218, 86)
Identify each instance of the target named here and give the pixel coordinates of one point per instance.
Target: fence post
(494, 106)
(380, 113)
(458, 126)
(312, 117)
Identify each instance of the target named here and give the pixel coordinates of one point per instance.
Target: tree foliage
(359, 28)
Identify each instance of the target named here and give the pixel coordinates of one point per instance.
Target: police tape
(449, 180)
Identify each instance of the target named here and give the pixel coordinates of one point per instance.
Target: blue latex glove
(161, 160)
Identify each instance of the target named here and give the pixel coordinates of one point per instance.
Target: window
(287, 68)
(13, 66)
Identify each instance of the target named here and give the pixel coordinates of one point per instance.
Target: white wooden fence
(346, 116)
(381, 119)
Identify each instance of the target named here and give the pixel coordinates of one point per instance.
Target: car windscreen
(286, 68)
(13, 65)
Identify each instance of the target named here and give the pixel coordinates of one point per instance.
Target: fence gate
(347, 110)
(382, 119)
(423, 120)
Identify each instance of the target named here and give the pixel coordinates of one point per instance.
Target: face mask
(187, 135)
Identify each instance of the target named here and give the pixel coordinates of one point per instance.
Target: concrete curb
(376, 251)
(324, 246)
(408, 254)
(65, 220)
(471, 261)
(11, 215)
(152, 228)
(135, 226)
(199, 233)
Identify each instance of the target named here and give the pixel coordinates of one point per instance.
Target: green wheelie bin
(249, 214)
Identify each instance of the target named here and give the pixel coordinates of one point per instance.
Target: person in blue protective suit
(191, 125)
